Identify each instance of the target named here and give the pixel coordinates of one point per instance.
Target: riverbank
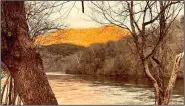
(103, 59)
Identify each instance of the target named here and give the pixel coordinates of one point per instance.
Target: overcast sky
(77, 19)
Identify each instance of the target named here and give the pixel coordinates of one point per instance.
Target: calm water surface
(84, 89)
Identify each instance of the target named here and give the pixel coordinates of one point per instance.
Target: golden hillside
(83, 36)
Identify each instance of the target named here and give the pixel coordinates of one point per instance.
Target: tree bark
(173, 78)
(20, 56)
(153, 80)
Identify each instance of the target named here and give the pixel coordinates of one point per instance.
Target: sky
(77, 19)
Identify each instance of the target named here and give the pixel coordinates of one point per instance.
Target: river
(84, 89)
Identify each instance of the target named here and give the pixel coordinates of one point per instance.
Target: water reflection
(83, 89)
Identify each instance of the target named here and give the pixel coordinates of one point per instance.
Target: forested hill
(83, 36)
(111, 58)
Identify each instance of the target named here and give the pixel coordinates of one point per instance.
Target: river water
(84, 89)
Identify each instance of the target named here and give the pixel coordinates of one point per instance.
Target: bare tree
(47, 16)
(149, 23)
(20, 57)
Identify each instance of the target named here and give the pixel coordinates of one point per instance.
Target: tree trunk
(20, 56)
(153, 80)
(162, 95)
(173, 78)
